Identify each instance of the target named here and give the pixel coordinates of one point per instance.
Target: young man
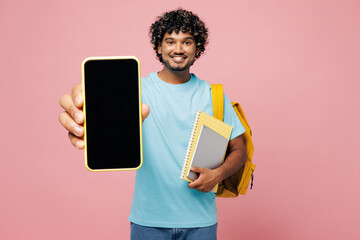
(165, 206)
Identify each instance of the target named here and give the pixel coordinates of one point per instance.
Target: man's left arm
(236, 158)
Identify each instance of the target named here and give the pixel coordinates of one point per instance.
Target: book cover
(207, 145)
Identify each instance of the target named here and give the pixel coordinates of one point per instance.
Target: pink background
(293, 65)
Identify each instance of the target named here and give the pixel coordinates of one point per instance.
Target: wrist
(219, 174)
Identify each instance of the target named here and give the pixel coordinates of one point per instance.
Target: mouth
(178, 58)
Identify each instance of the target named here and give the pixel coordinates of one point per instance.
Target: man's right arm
(72, 118)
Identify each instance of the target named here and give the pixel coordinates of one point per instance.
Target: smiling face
(178, 51)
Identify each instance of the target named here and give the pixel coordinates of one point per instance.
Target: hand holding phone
(72, 118)
(112, 108)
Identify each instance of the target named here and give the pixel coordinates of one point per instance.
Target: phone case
(84, 110)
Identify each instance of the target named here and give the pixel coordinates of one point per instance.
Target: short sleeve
(144, 91)
(232, 119)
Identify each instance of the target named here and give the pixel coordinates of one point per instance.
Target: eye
(170, 42)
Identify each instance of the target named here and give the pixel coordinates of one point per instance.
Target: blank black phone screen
(112, 114)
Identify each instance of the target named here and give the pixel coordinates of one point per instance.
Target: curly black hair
(175, 21)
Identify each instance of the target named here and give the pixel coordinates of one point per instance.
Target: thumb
(197, 169)
(145, 110)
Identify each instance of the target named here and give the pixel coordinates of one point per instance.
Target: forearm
(233, 162)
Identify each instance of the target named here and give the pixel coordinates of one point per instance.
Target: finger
(145, 110)
(67, 103)
(76, 141)
(196, 186)
(199, 186)
(70, 125)
(197, 169)
(192, 185)
(76, 94)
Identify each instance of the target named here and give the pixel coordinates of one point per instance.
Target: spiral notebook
(207, 145)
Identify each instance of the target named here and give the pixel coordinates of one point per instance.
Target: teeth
(178, 58)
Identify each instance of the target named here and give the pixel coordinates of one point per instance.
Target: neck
(174, 77)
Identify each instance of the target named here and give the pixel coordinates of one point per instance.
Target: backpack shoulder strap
(238, 183)
(217, 96)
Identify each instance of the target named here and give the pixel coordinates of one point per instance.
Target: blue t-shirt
(161, 198)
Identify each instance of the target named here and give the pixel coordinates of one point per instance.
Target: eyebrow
(187, 38)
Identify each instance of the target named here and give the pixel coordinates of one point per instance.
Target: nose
(178, 48)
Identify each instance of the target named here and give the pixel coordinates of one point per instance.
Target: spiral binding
(190, 144)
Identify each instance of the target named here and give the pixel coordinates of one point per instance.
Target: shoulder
(200, 82)
(148, 80)
(147, 87)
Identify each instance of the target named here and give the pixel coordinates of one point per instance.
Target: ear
(197, 53)
(159, 49)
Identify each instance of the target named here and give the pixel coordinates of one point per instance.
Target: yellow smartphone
(112, 109)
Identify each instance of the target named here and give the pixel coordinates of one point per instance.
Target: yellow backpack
(239, 182)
